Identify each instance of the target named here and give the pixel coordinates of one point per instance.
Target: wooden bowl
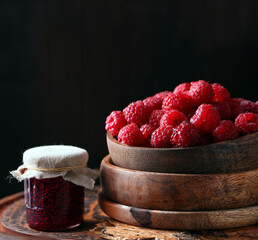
(178, 192)
(198, 220)
(230, 156)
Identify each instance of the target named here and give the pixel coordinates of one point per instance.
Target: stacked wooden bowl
(207, 187)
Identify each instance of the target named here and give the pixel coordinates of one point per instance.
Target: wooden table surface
(98, 226)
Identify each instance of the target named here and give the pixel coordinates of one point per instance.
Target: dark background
(65, 65)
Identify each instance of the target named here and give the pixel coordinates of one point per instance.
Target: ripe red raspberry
(255, 107)
(225, 131)
(221, 93)
(206, 118)
(236, 108)
(185, 135)
(136, 112)
(247, 105)
(114, 122)
(155, 117)
(183, 87)
(177, 101)
(223, 109)
(152, 103)
(160, 138)
(172, 118)
(131, 135)
(147, 130)
(247, 122)
(201, 92)
(162, 95)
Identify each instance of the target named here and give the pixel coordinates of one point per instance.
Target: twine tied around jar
(54, 169)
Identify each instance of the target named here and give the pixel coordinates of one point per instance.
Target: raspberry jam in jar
(54, 180)
(53, 204)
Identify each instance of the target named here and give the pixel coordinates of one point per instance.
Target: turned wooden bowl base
(179, 220)
(178, 192)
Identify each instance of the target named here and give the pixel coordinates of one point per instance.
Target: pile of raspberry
(196, 113)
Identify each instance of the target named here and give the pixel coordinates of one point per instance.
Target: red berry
(147, 130)
(223, 109)
(185, 135)
(236, 108)
(221, 93)
(160, 138)
(152, 103)
(114, 122)
(183, 87)
(247, 122)
(131, 135)
(172, 118)
(201, 92)
(177, 101)
(155, 117)
(225, 131)
(247, 105)
(162, 95)
(136, 112)
(255, 107)
(206, 118)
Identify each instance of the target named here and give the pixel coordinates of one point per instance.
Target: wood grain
(113, 230)
(198, 220)
(230, 156)
(186, 192)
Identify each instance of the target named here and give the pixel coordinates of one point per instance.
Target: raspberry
(225, 131)
(185, 135)
(247, 122)
(114, 122)
(245, 104)
(177, 101)
(155, 118)
(130, 135)
(255, 107)
(206, 118)
(221, 93)
(183, 87)
(146, 130)
(223, 109)
(201, 92)
(162, 95)
(152, 103)
(136, 112)
(236, 108)
(160, 138)
(172, 118)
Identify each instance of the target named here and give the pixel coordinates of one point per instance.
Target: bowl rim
(107, 160)
(114, 140)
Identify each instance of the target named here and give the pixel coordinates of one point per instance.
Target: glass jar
(53, 204)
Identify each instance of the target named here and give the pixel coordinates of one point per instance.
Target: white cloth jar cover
(68, 162)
